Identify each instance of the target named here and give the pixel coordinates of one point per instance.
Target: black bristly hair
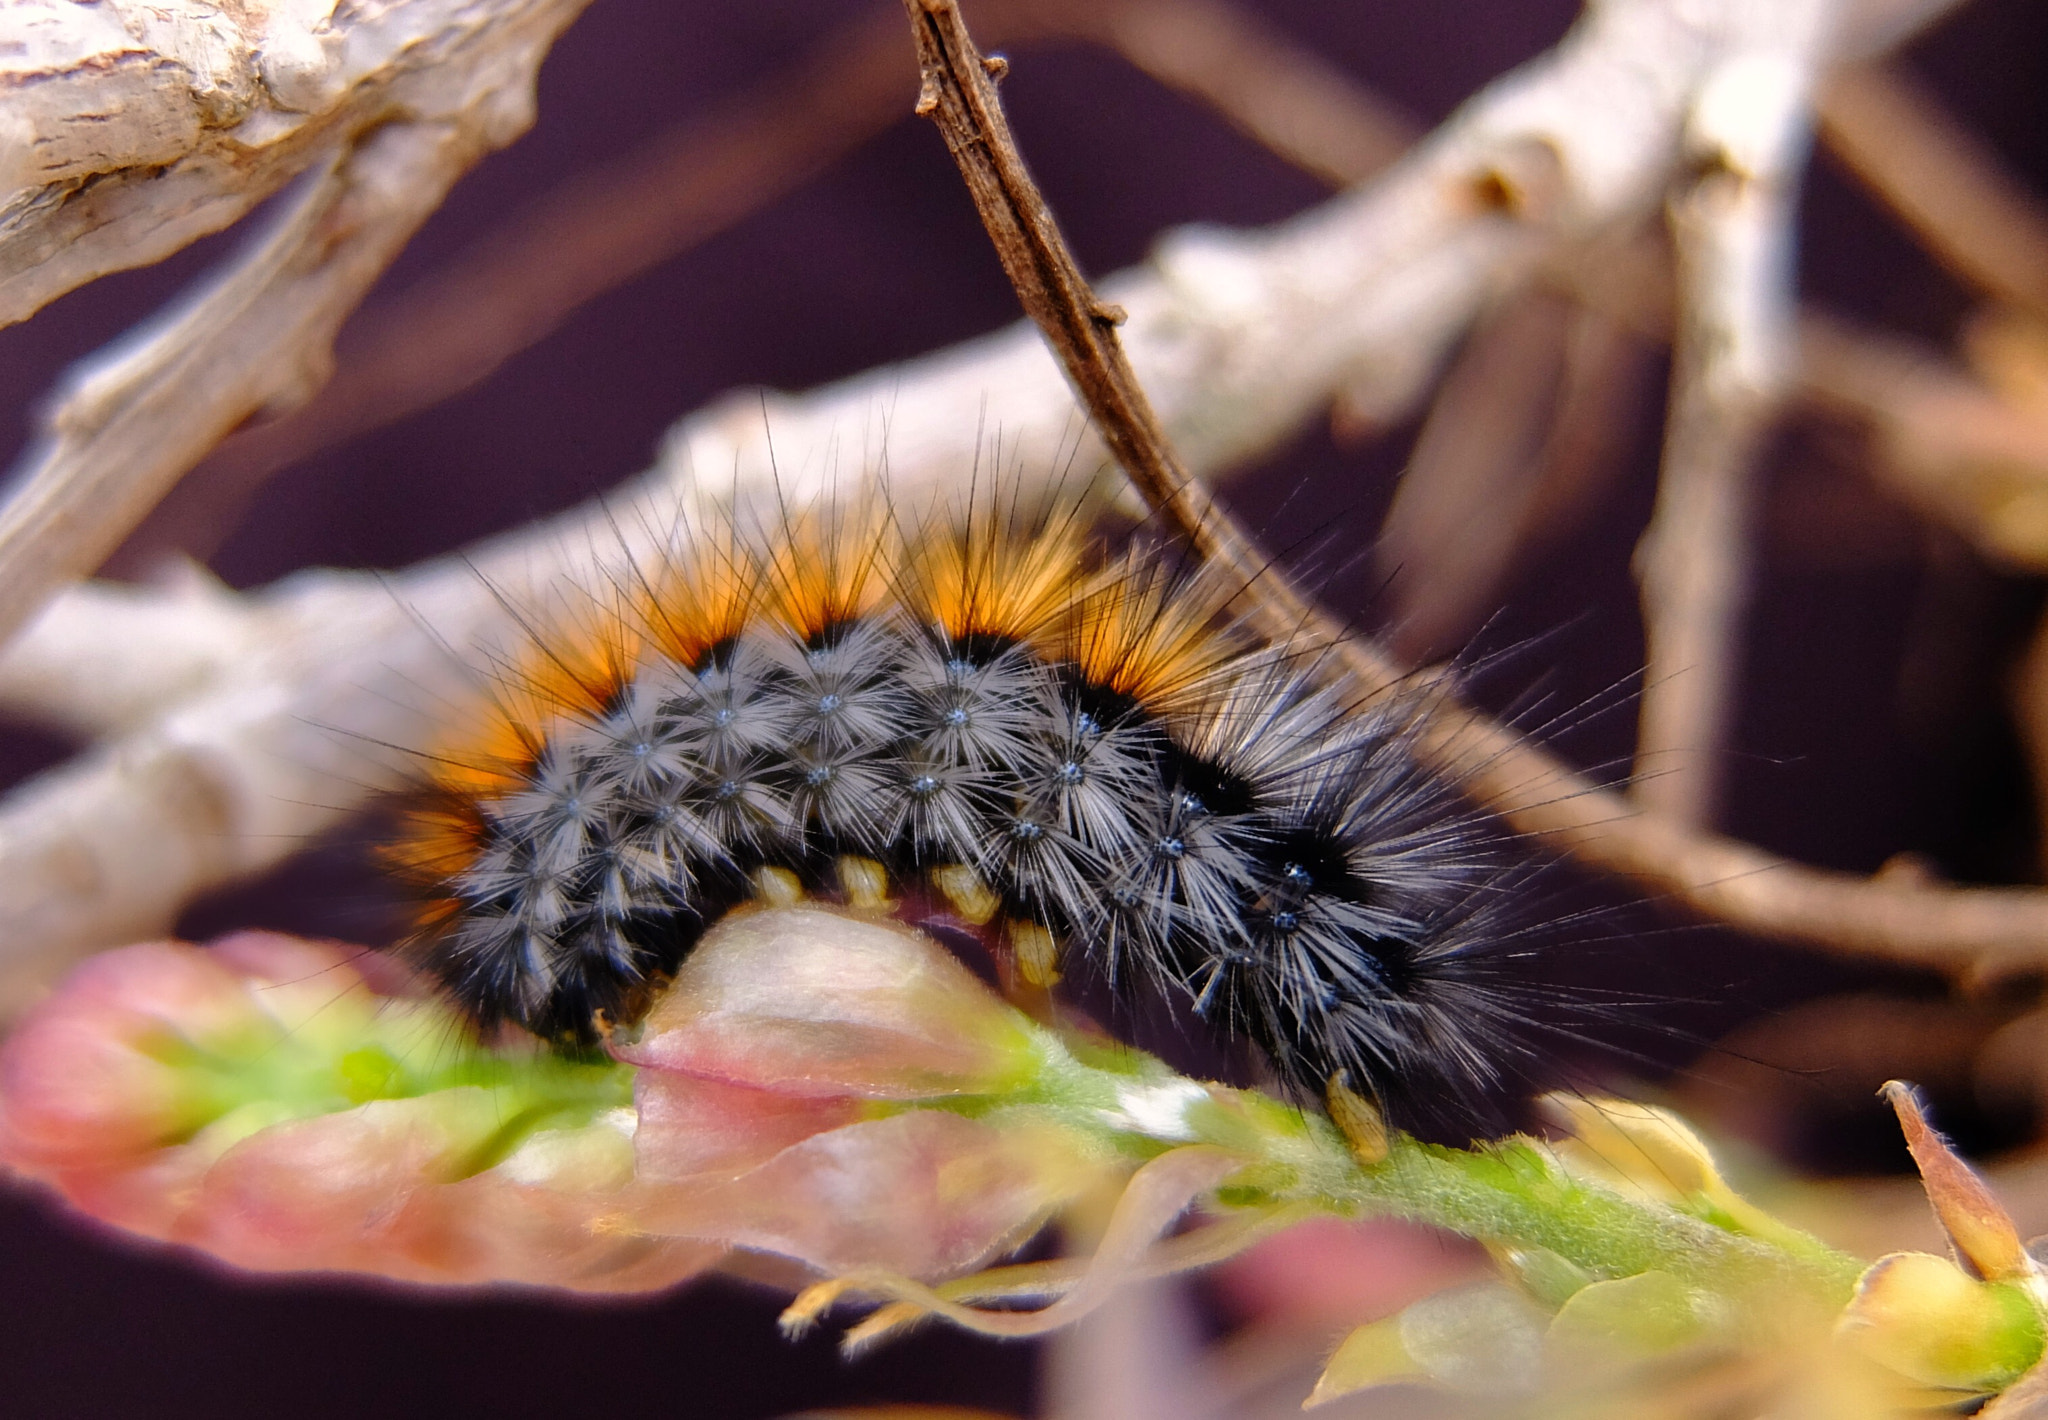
(1087, 756)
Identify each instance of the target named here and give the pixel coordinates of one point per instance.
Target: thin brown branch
(1985, 929)
(1522, 441)
(1289, 98)
(959, 95)
(1950, 447)
(1941, 180)
(1608, 377)
(1459, 512)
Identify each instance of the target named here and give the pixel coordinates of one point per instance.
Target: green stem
(1512, 1194)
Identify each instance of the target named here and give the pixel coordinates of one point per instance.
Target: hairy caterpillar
(1074, 753)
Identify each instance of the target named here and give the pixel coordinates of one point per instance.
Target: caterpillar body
(1081, 755)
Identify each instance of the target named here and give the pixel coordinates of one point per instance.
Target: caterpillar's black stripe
(1254, 838)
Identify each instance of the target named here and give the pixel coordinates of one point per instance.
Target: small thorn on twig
(927, 98)
(995, 66)
(1108, 312)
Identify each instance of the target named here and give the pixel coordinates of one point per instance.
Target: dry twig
(1732, 228)
(1948, 446)
(133, 127)
(1940, 179)
(1287, 97)
(1521, 430)
(394, 137)
(959, 96)
(134, 421)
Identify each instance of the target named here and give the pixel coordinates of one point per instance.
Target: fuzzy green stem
(1514, 1194)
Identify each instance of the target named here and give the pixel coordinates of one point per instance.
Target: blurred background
(726, 195)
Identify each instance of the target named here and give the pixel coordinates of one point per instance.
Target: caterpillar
(1082, 755)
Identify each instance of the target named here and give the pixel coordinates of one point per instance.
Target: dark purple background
(1870, 721)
